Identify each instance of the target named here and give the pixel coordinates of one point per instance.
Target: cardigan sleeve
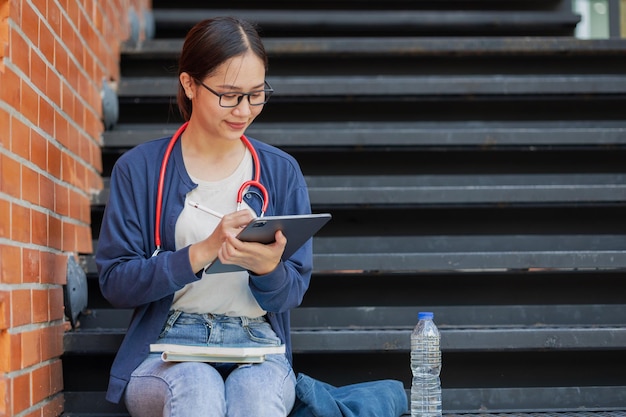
(129, 274)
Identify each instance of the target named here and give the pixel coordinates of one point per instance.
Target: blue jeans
(197, 389)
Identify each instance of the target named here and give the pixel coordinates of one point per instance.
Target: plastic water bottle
(425, 366)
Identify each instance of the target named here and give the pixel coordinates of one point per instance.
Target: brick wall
(54, 56)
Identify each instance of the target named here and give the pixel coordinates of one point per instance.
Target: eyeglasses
(255, 98)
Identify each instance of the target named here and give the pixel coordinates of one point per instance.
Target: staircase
(472, 154)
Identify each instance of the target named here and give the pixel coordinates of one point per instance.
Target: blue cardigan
(131, 278)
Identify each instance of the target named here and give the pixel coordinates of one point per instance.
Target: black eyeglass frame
(268, 93)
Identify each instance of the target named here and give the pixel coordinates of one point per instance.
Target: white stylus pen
(205, 209)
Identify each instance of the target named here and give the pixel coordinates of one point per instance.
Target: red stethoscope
(250, 183)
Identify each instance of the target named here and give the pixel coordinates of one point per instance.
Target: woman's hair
(209, 44)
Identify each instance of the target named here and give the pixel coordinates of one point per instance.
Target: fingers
(281, 240)
(256, 257)
(236, 220)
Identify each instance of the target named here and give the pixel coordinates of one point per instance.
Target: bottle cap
(425, 315)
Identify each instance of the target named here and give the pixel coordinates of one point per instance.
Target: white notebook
(198, 353)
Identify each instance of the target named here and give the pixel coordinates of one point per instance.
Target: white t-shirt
(227, 293)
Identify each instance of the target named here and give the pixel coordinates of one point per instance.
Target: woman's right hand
(205, 251)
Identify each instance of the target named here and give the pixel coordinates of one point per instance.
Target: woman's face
(240, 74)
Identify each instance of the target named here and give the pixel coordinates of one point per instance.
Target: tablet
(297, 229)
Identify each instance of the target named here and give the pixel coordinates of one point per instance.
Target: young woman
(154, 245)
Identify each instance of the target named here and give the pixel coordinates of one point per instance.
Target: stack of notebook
(198, 353)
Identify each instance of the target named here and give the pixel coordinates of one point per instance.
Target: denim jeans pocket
(261, 332)
(181, 328)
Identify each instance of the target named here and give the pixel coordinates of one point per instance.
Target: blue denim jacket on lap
(130, 277)
(384, 398)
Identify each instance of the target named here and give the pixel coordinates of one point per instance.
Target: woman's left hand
(256, 257)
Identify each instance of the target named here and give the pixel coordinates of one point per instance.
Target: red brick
(31, 262)
(30, 23)
(72, 74)
(67, 100)
(38, 68)
(46, 192)
(98, 19)
(40, 305)
(61, 129)
(73, 11)
(41, 384)
(93, 124)
(87, 82)
(86, 206)
(10, 264)
(84, 244)
(4, 14)
(20, 223)
(55, 301)
(20, 53)
(5, 319)
(53, 86)
(68, 169)
(46, 41)
(21, 393)
(52, 342)
(95, 181)
(46, 117)
(81, 175)
(83, 147)
(20, 138)
(61, 200)
(54, 407)
(29, 100)
(83, 25)
(61, 59)
(55, 233)
(20, 308)
(11, 343)
(69, 237)
(73, 139)
(39, 231)
(47, 267)
(54, 17)
(5, 125)
(56, 381)
(76, 203)
(38, 149)
(41, 5)
(5, 399)
(53, 268)
(54, 160)
(10, 176)
(5, 219)
(31, 348)
(30, 185)
(60, 270)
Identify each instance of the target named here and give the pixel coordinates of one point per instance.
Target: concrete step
(380, 135)
(497, 402)
(383, 22)
(404, 46)
(377, 88)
